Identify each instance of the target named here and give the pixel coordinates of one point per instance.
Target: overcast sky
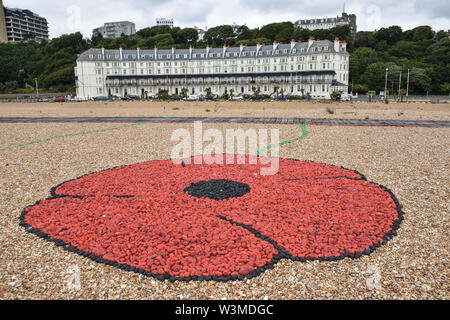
(67, 16)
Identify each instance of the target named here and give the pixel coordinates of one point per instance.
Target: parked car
(102, 98)
(282, 98)
(237, 98)
(59, 99)
(346, 97)
(175, 98)
(258, 97)
(192, 97)
(128, 98)
(44, 100)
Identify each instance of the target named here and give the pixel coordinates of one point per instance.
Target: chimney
(121, 53)
(241, 49)
(292, 44)
(310, 42)
(173, 52)
(224, 49)
(275, 45)
(190, 52)
(156, 52)
(103, 53)
(207, 50)
(138, 53)
(336, 44)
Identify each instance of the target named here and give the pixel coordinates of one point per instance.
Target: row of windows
(280, 79)
(217, 62)
(218, 89)
(285, 68)
(213, 55)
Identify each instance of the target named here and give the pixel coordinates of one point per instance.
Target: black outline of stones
(282, 252)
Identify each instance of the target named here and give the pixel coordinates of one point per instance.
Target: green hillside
(425, 52)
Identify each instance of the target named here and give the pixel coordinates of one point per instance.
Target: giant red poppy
(218, 222)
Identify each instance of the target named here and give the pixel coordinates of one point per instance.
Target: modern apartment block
(21, 24)
(315, 67)
(3, 33)
(328, 23)
(164, 22)
(113, 30)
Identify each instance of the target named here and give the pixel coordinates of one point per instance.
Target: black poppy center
(217, 189)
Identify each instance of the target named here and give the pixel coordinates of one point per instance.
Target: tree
(184, 92)
(220, 35)
(336, 95)
(243, 33)
(360, 88)
(391, 35)
(282, 30)
(186, 36)
(365, 39)
(256, 91)
(445, 88)
(163, 94)
(360, 59)
(419, 81)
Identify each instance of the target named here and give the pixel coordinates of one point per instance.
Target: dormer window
(91, 56)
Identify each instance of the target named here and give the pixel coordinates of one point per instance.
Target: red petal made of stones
(152, 176)
(318, 218)
(171, 235)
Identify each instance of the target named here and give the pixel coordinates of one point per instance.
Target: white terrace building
(314, 67)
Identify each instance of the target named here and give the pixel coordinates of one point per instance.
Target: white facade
(314, 67)
(329, 23)
(164, 22)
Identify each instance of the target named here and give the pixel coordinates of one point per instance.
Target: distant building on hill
(328, 23)
(113, 30)
(164, 22)
(201, 32)
(21, 24)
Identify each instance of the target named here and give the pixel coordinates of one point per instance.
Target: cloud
(63, 16)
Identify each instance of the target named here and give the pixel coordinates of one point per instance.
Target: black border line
(282, 252)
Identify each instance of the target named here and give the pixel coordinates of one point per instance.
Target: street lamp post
(400, 87)
(385, 84)
(37, 88)
(407, 88)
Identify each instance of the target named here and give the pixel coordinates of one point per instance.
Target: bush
(336, 95)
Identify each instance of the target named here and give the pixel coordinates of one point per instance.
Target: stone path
(309, 121)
